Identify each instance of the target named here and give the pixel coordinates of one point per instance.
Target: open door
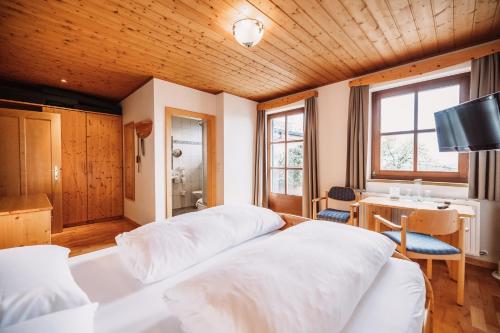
(30, 157)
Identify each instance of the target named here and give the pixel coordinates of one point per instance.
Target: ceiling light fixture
(248, 32)
(64, 81)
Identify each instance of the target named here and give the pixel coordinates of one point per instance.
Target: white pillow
(76, 320)
(158, 250)
(35, 281)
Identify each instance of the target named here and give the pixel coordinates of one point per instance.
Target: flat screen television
(470, 126)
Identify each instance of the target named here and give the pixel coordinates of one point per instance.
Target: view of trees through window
(405, 137)
(286, 153)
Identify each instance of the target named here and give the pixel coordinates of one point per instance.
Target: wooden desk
(25, 220)
(383, 206)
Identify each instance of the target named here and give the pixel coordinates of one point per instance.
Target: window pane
(294, 179)
(295, 155)
(431, 101)
(396, 152)
(278, 155)
(278, 129)
(278, 181)
(429, 157)
(295, 127)
(396, 113)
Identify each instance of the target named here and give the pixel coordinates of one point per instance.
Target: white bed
(394, 302)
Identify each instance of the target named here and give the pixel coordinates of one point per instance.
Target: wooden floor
(93, 236)
(481, 309)
(480, 313)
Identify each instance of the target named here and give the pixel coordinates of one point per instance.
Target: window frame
(461, 176)
(286, 142)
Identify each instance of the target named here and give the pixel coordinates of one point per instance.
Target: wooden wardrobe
(91, 165)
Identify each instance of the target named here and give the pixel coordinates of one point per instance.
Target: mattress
(394, 303)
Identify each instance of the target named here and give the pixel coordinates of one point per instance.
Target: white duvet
(308, 278)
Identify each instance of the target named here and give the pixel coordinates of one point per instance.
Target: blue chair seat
(334, 215)
(422, 243)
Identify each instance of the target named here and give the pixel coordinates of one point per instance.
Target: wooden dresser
(25, 220)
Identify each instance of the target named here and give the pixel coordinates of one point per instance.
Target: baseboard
(481, 263)
(131, 221)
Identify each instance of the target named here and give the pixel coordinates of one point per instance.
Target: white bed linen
(308, 278)
(126, 305)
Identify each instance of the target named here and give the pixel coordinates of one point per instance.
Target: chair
(346, 200)
(415, 239)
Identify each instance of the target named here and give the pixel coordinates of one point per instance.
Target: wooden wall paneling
(10, 159)
(74, 164)
(129, 160)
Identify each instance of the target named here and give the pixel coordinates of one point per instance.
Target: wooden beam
(429, 64)
(276, 103)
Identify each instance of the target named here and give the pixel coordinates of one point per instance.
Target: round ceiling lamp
(248, 32)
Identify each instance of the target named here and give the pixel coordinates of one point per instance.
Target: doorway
(190, 161)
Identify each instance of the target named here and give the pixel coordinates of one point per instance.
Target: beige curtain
(484, 166)
(260, 191)
(357, 138)
(310, 185)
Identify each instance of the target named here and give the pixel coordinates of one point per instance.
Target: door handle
(57, 172)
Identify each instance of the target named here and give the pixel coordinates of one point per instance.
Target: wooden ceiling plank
(118, 61)
(365, 32)
(273, 45)
(443, 21)
(278, 37)
(183, 32)
(181, 11)
(463, 20)
(301, 18)
(190, 48)
(383, 17)
(429, 64)
(367, 58)
(484, 18)
(424, 21)
(403, 17)
(111, 38)
(286, 24)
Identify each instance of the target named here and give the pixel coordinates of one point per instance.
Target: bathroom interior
(188, 165)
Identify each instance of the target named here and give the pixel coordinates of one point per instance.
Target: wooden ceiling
(111, 47)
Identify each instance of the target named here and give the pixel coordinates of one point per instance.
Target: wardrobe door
(116, 167)
(30, 156)
(74, 165)
(104, 152)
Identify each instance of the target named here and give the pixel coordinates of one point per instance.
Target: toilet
(198, 195)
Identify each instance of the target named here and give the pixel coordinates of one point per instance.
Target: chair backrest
(433, 222)
(342, 193)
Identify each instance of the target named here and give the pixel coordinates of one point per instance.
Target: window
(286, 143)
(404, 141)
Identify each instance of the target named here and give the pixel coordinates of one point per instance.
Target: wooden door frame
(55, 124)
(211, 153)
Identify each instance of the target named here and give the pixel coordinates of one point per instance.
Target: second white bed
(394, 303)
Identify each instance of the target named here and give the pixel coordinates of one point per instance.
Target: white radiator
(472, 225)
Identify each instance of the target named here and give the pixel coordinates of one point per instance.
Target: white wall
(180, 97)
(333, 103)
(137, 107)
(235, 127)
(239, 122)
